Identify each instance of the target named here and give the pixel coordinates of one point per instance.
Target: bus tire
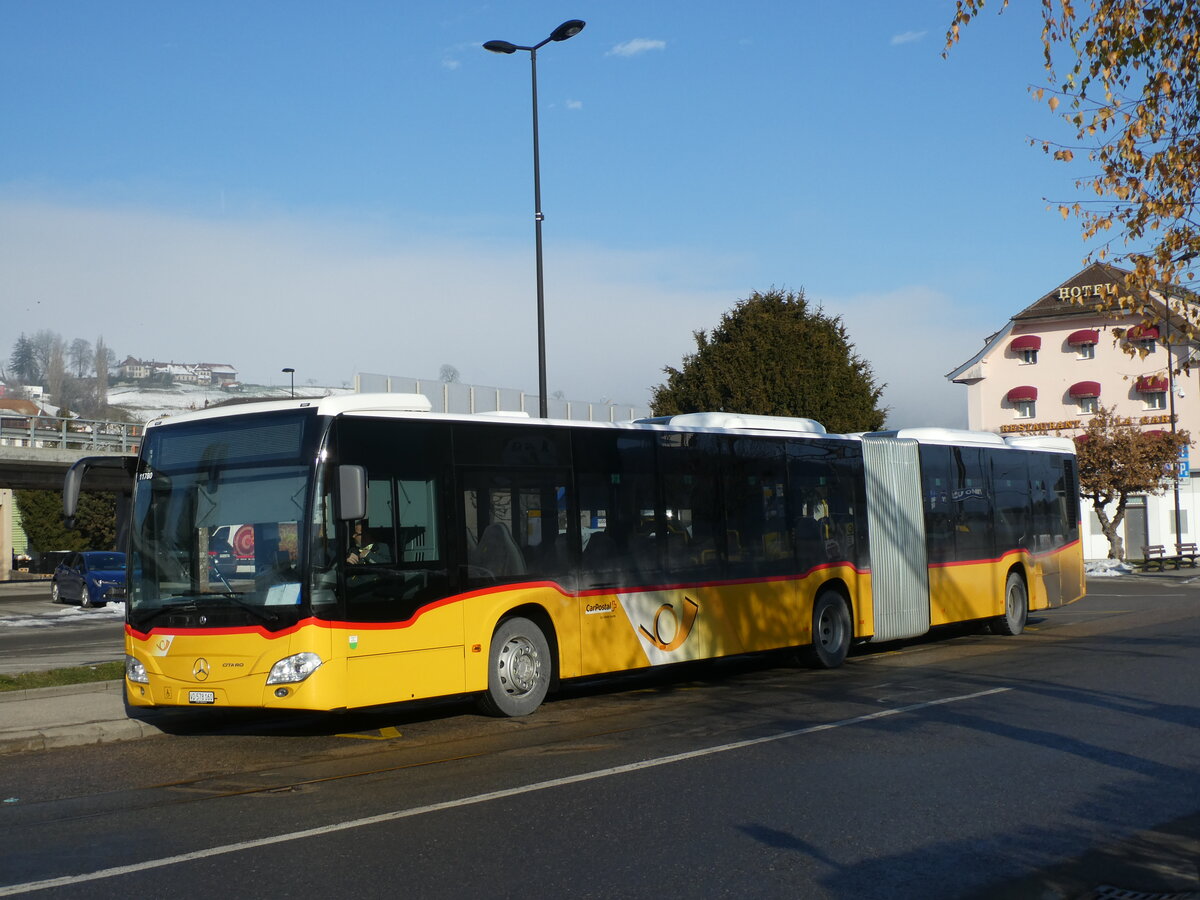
(1016, 607)
(831, 631)
(519, 669)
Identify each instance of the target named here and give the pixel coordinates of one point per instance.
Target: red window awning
(1085, 389)
(1152, 384)
(1083, 336)
(1142, 333)
(1022, 394)
(1026, 342)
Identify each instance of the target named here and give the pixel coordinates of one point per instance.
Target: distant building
(1056, 360)
(220, 374)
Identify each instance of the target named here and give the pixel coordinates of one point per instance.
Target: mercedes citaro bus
(508, 553)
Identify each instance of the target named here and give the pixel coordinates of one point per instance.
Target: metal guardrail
(53, 433)
(466, 399)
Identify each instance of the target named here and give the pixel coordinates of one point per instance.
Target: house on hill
(205, 374)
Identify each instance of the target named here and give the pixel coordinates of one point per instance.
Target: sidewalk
(67, 716)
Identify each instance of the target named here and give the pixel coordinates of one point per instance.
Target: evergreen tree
(23, 362)
(775, 354)
(42, 519)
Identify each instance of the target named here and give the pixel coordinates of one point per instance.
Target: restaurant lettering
(1068, 424)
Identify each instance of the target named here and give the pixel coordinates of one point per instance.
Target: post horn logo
(200, 669)
(691, 609)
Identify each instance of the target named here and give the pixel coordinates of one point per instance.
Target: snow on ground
(65, 616)
(1106, 568)
(145, 403)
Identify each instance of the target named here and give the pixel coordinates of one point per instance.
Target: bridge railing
(53, 433)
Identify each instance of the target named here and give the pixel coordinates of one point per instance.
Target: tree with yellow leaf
(1125, 76)
(1116, 460)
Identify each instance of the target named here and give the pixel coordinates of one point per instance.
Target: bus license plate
(201, 697)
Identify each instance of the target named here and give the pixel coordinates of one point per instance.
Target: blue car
(89, 578)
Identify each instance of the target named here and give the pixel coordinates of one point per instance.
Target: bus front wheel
(830, 630)
(1016, 607)
(519, 669)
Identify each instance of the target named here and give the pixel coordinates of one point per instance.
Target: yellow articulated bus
(385, 553)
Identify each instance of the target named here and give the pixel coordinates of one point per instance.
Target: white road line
(9, 890)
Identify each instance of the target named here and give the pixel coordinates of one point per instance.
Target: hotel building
(1054, 362)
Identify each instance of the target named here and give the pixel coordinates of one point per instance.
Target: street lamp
(290, 371)
(566, 30)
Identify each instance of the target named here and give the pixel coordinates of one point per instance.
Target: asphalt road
(46, 635)
(965, 766)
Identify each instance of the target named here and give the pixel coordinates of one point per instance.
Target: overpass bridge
(37, 451)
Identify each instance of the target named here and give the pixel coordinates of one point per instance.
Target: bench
(1185, 553)
(1154, 555)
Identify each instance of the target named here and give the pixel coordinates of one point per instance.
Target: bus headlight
(135, 671)
(294, 668)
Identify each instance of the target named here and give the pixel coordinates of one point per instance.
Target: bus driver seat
(498, 553)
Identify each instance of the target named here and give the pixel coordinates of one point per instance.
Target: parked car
(90, 578)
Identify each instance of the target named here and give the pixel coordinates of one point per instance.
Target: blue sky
(347, 187)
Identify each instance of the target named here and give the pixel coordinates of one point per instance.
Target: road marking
(116, 871)
(386, 733)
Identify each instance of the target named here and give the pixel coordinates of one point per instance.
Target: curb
(61, 690)
(59, 736)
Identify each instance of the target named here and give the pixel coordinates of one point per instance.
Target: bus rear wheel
(1016, 607)
(519, 669)
(830, 630)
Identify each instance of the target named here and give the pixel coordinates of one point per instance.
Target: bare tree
(56, 370)
(42, 344)
(80, 356)
(102, 362)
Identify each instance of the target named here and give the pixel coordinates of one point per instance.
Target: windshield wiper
(192, 602)
(235, 598)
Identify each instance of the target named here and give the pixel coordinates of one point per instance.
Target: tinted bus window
(615, 480)
(691, 537)
(1010, 485)
(822, 507)
(394, 559)
(972, 504)
(938, 502)
(754, 489)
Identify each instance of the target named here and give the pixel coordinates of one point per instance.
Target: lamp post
(564, 31)
(292, 372)
(1171, 396)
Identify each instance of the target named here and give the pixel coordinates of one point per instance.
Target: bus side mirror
(352, 492)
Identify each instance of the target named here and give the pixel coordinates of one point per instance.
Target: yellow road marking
(385, 734)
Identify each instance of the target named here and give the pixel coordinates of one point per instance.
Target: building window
(1087, 405)
(1147, 346)
(1156, 400)
(1025, 408)
(1029, 357)
(1086, 351)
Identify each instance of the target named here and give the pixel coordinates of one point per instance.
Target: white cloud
(907, 37)
(336, 298)
(636, 46)
(574, 104)
(333, 299)
(451, 64)
(912, 337)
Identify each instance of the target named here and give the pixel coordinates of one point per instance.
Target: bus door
(1056, 527)
(399, 639)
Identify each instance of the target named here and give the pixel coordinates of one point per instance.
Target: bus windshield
(219, 522)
